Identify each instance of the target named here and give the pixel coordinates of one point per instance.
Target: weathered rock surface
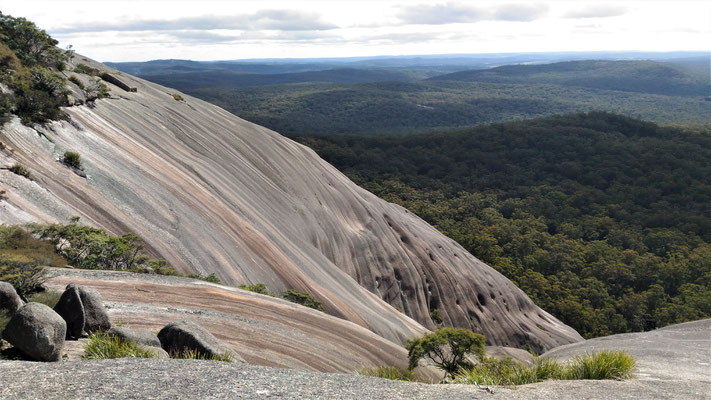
(37, 331)
(71, 309)
(9, 300)
(140, 336)
(212, 193)
(170, 379)
(96, 318)
(181, 336)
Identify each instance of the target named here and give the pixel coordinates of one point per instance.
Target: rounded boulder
(37, 331)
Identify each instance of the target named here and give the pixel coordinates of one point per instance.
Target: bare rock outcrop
(9, 300)
(37, 331)
(212, 193)
(183, 336)
(71, 309)
(141, 336)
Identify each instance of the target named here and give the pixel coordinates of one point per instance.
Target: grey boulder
(177, 337)
(95, 316)
(9, 300)
(37, 331)
(70, 308)
(141, 336)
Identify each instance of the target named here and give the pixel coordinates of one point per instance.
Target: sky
(133, 30)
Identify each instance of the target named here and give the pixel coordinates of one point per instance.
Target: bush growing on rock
(20, 169)
(72, 159)
(103, 346)
(447, 348)
(302, 298)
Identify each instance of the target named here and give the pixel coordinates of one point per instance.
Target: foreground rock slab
(37, 331)
(187, 335)
(9, 300)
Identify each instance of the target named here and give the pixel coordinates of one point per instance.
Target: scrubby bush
(20, 169)
(392, 373)
(257, 288)
(85, 69)
(102, 346)
(76, 81)
(72, 159)
(177, 97)
(302, 298)
(447, 348)
(22, 259)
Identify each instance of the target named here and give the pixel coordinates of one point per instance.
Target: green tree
(447, 348)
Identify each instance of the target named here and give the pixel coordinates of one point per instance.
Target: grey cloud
(287, 20)
(519, 12)
(458, 13)
(440, 14)
(597, 11)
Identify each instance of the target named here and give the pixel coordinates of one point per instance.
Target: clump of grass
(177, 97)
(196, 355)
(392, 373)
(596, 365)
(75, 80)
(49, 298)
(72, 159)
(102, 346)
(602, 365)
(21, 170)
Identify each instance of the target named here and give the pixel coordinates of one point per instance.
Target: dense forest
(605, 221)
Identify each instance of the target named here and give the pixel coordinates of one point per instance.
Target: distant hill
(224, 78)
(630, 76)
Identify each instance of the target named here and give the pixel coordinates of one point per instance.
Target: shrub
(196, 355)
(392, 373)
(85, 69)
(177, 97)
(72, 159)
(257, 288)
(447, 348)
(211, 278)
(436, 315)
(102, 346)
(602, 365)
(76, 81)
(20, 169)
(302, 298)
(50, 298)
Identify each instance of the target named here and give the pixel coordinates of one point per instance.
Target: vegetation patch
(392, 373)
(177, 97)
(596, 365)
(196, 355)
(20, 169)
(72, 159)
(102, 346)
(447, 348)
(302, 298)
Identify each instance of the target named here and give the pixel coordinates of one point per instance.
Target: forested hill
(605, 221)
(629, 76)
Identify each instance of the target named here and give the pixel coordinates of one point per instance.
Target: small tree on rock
(447, 348)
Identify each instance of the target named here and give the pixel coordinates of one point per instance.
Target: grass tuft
(196, 355)
(596, 365)
(392, 373)
(102, 346)
(49, 298)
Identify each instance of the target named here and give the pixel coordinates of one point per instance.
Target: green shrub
(196, 355)
(102, 346)
(211, 278)
(602, 365)
(76, 81)
(85, 69)
(447, 348)
(392, 373)
(302, 298)
(257, 288)
(50, 298)
(20, 169)
(436, 315)
(177, 97)
(72, 159)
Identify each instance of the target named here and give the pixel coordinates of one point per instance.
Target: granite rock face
(141, 336)
(212, 193)
(9, 300)
(37, 331)
(96, 319)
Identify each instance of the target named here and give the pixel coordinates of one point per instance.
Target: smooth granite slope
(212, 193)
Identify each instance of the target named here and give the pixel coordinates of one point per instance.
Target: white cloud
(597, 11)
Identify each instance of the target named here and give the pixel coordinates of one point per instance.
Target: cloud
(450, 13)
(519, 12)
(597, 11)
(286, 20)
